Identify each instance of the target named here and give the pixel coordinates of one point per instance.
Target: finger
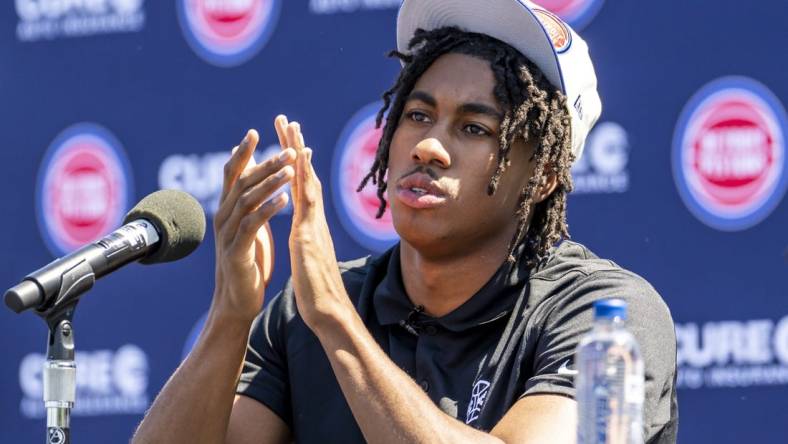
(253, 221)
(239, 160)
(254, 197)
(315, 186)
(308, 152)
(241, 157)
(264, 252)
(306, 185)
(294, 137)
(298, 190)
(251, 177)
(280, 124)
(295, 140)
(310, 176)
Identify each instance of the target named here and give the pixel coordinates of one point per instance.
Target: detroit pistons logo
(729, 153)
(227, 32)
(84, 187)
(556, 29)
(578, 13)
(353, 158)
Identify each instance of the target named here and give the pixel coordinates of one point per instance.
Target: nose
(430, 151)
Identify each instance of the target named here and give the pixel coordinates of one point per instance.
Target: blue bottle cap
(610, 308)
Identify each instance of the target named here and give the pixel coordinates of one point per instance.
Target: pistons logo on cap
(578, 13)
(84, 187)
(353, 158)
(556, 29)
(729, 153)
(227, 32)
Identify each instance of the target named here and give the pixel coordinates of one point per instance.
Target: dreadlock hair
(533, 110)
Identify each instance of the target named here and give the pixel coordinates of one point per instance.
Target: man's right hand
(239, 224)
(208, 377)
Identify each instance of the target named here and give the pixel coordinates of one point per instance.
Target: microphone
(412, 323)
(165, 226)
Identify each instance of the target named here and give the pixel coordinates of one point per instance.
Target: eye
(417, 116)
(476, 130)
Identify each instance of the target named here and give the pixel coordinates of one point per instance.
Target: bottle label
(610, 398)
(634, 391)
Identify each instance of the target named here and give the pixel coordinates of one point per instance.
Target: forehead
(459, 78)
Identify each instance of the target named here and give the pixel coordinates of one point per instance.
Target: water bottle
(609, 381)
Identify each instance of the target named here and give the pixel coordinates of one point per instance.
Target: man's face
(442, 157)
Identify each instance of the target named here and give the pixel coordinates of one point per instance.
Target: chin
(412, 226)
(422, 233)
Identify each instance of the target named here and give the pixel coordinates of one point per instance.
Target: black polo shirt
(515, 337)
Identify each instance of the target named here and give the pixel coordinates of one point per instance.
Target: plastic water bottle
(609, 382)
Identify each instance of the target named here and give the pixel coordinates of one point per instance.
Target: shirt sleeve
(567, 316)
(265, 375)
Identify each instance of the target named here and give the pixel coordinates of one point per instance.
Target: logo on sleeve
(729, 153)
(227, 32)
(565, 370)
(478, 397)
(353, 158)
(84, 187)
(578, 13)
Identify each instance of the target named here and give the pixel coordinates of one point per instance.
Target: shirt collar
(493, 301)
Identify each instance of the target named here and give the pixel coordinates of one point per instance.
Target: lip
(432, 197)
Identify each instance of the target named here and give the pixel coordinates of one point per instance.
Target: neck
(442, 284)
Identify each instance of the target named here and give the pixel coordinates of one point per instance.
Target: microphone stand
(60, 369)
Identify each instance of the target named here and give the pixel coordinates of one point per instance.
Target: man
(465, 331)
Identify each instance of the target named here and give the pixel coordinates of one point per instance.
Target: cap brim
(507, 20)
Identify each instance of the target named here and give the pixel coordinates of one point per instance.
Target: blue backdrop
(105, 101)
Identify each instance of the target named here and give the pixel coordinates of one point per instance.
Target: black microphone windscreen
(180, 220)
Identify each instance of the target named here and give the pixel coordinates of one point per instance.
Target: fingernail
(283, 155)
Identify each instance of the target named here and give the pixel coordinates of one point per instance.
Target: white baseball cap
(541, 36)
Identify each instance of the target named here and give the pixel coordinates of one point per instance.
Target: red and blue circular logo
(84, 187)
(227, 32)
(578, 13)
(729, 153)
(556, 29)
(353, 158)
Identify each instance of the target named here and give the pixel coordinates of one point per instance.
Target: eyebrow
(465, 108)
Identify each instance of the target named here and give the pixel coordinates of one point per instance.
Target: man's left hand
(319, 291)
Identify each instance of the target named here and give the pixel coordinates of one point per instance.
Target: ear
(548, 185)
